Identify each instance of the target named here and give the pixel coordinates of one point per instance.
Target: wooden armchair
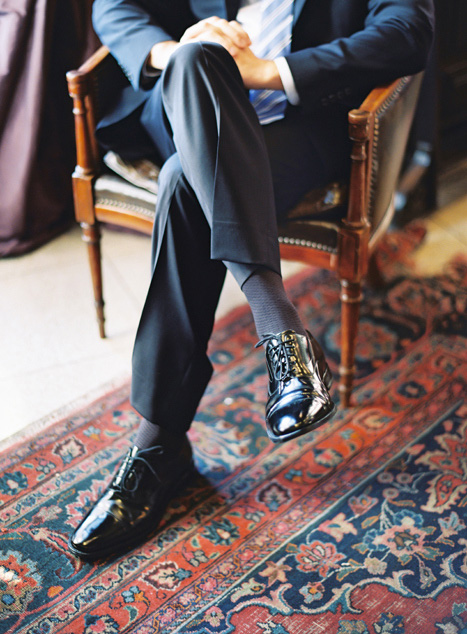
(379, 131)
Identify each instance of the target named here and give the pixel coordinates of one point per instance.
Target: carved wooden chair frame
(378, 129)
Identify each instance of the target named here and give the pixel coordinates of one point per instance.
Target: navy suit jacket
(340, 48)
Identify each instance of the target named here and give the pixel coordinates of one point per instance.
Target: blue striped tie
(274, 41)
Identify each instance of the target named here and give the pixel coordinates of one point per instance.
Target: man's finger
(233, 30)
(241, 31)
(196, 29)
(210, 33)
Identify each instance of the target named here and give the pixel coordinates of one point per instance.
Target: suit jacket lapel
(231, 8)
(297, 9)
(211, 7)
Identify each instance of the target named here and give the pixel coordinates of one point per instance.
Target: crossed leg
(222, 183)
(224, 166)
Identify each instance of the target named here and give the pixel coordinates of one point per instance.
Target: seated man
(245, 103)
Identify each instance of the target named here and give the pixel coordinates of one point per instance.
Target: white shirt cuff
(287, 81)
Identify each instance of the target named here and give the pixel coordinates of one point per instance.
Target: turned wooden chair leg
(351, 297)
(92, 237)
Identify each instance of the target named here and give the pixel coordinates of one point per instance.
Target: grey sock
(150, 434)
(272, 310)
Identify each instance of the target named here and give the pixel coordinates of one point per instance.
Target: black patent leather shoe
(133, 504)
(299, 384)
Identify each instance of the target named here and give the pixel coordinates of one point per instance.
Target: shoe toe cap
(94, 533)
(297, 415)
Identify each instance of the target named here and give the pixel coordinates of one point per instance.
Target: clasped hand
(256, 73)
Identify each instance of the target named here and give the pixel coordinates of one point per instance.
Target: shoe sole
(126, 545)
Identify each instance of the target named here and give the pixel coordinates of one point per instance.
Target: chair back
(388, 140)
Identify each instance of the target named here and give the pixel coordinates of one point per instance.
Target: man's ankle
(150, 434)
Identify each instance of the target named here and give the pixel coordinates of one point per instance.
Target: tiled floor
(50, 351)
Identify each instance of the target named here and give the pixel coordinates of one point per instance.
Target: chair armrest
(383, 94)
(91, 65)
(82, 84)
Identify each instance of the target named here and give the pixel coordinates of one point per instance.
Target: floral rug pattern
(357, 528)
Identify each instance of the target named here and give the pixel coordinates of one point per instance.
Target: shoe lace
(120, 482)
(281, 356)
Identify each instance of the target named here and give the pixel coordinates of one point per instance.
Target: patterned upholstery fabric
(143, 173)
(132, 186)
(112, 191)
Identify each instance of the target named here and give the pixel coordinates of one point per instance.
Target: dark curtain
(39, 41)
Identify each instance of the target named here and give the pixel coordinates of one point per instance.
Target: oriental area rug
(357, 528)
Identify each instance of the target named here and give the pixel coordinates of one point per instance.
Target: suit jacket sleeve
(129, 30)
(395, 41)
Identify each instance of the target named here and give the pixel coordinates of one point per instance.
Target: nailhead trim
(106, 202)
(376, 138)
(307, 243)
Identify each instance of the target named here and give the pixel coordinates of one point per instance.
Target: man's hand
(160, 54)
(256, 73)
(229, 34)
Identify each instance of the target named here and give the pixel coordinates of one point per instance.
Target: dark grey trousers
(224, 181)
